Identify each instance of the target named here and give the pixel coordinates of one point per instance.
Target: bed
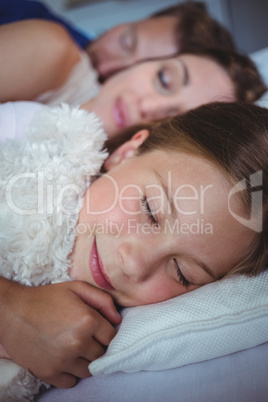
(210, 344)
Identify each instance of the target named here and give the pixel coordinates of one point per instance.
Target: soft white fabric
(42, 183)
(81, 85)
(217, 319)
(15, 118)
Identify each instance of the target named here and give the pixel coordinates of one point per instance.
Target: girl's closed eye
(182, 278)
(146, 207)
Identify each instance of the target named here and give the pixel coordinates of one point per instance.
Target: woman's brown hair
(196, 32)
(247, 81)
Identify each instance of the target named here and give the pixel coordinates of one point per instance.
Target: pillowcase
(215, 320)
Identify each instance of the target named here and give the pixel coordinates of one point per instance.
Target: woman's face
(157, 226)
(127, 44)
(158, 89)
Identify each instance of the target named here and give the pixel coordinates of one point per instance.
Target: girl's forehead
(182, 166)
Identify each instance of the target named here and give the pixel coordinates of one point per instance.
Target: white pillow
(260, 58)
(215, 320)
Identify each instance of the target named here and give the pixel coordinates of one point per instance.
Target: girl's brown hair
(234, 137)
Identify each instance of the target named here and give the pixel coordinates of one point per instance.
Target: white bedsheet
(239, 377)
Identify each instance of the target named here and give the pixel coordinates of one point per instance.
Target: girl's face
(156, 89)
(157, 226)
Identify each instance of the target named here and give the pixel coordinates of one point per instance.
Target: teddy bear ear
(126, 150)
(16, 381)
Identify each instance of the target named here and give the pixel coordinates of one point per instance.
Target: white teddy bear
(42, 181)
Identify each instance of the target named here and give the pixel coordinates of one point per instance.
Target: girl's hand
(56, 330)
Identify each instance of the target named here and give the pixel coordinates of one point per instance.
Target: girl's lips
(120, 114)
(96, 268)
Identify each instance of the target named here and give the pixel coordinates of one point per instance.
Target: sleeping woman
(150, 91)
(129, 234)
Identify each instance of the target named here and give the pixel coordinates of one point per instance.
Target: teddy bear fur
(42, 181)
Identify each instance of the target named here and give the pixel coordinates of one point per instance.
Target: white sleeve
(15, 117)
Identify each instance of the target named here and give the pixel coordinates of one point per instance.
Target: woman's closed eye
(182, 280)
(163, 78)
(146, 207)
(168, 79)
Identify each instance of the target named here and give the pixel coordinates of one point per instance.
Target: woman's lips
(96, 268)
(120, 114)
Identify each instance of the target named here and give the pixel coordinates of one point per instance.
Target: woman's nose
(156, 107)
(136, 262)
(149, 108)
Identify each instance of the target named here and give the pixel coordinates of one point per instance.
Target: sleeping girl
(173, 212)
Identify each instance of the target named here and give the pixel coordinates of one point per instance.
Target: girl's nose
(136, 262)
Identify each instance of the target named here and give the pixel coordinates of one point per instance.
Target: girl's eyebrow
(167, 193)
(196, 260)
(205, 268)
